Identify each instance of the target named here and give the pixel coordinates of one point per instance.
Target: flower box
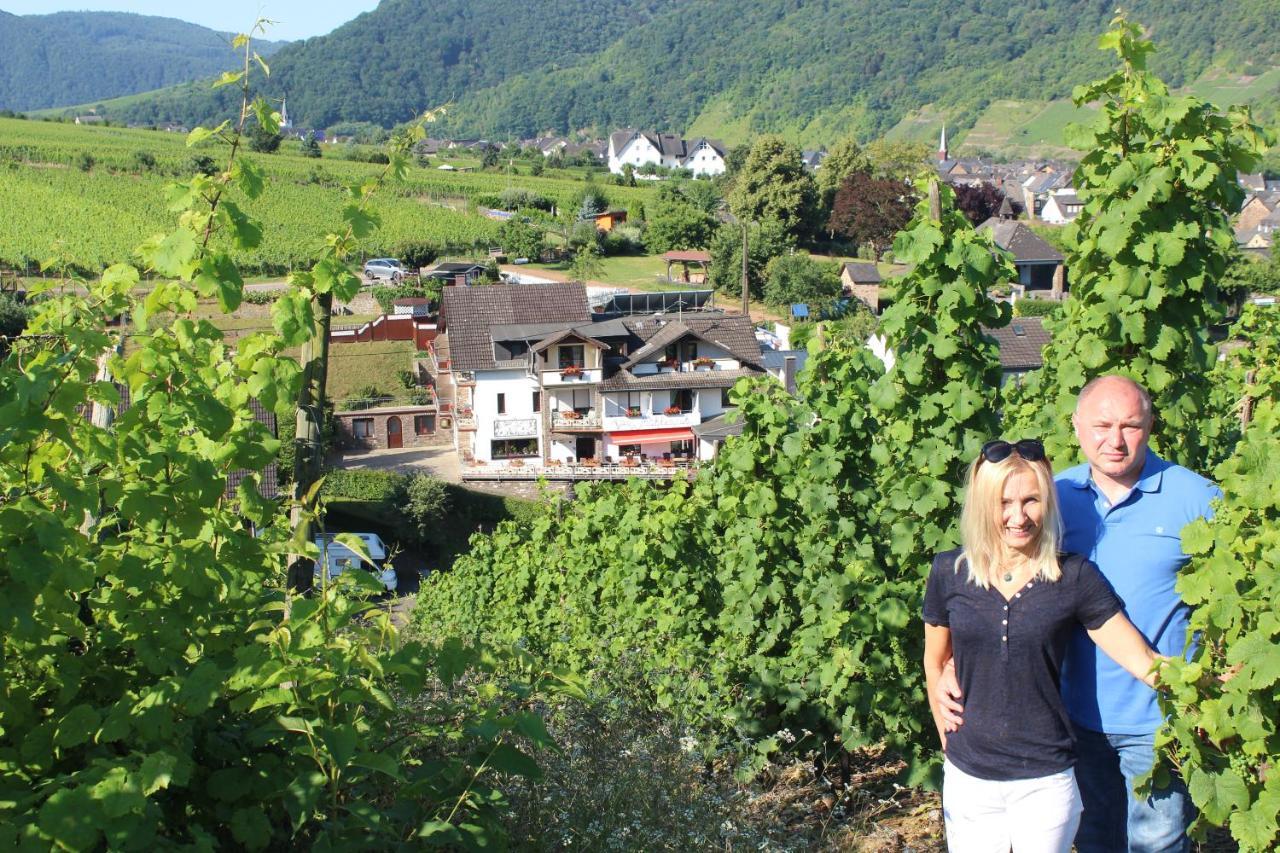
(571, 415)
(703, 361)
(669, 363)
(571, 370)
(672, 410)
(633, 412)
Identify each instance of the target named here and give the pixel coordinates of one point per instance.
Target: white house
(638, 148)
(543, 383)
(1062, 206)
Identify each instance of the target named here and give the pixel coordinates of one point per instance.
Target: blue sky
(296, 19)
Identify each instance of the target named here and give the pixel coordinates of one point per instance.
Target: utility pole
(746, 293)
(308, 454)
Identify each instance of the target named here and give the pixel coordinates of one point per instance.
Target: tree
(980, 203)
(489, 160)
(799, 278)
(521, 239)
(263, 140)
(765, 241)
(586, 264)
(701, 194)
(628, 175)
(677, 225)
(426, 502)
(590, 201)
(845, 158)
(902, 160)
(774, 185)
(537, 167)
(870, 210)
(309, 147)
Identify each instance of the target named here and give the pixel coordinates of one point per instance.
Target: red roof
(641, 436)
(688, 255)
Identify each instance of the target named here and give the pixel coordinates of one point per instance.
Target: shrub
(365, 398)
(85, 161)
(1027, 307)
(260, 297)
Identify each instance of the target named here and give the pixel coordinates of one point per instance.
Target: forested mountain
(78, 57)
(814, 69)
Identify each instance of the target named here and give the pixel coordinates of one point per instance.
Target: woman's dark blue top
(1008, 657)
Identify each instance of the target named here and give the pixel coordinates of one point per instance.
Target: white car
(383, 268)
(340, 558)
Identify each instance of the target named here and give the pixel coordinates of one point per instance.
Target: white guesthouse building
(543, 382)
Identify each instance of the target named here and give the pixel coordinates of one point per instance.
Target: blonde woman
(1003, 606)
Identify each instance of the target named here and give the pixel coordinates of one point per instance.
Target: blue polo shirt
(1137, 544)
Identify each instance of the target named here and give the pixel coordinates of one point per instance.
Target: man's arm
(945, 695)
(937, 662)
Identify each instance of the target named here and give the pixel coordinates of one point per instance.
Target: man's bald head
(1114, 383)
(1113, 422)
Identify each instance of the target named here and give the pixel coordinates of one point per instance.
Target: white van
(340, 558)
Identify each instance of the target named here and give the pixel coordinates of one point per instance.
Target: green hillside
(812, 69)
(81, 57)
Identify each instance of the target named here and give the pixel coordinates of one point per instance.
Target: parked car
(340, 558)
(383, 268)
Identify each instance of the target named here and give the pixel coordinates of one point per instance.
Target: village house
(461, 273)
(387, 427)
(1037, 189)
(862, 281)
(1040, 266)
(544, 383)
(1061, 206)
(637, 148)
(1022, 344)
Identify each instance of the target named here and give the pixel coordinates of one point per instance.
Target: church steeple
(284, 114)
(942, 145)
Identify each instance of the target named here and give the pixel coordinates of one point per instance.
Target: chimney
(789, 374)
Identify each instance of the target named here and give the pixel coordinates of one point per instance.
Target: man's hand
(948, 696)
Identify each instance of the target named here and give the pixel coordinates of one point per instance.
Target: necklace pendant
(1008, 577)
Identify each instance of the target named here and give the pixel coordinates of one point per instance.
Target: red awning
(642, 436)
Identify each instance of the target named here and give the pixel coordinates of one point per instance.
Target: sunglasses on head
(1030, 449)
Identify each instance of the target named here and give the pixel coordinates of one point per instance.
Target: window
(537, 402)
(725, 402)
(572, 355)
(682, 449)
(629, 449)
(502, 404)
(362, 427)
(514, 448)
(683, 400)
(581, 400)
(688, 350)
(424, 424)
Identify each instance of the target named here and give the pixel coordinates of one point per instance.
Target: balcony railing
(649, 420)
(499, 470)
(580, 375)
(568, 419)
(465, 419)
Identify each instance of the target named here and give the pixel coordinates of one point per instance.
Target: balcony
(570, 421)
(498, 470)
(650, 420)
(515, 428)
(464, 377)
(465, 418)
(572, 376)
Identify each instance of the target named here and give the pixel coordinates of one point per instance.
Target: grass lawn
(641, 272)
(355, 366)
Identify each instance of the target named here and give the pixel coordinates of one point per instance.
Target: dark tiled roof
(467, 313)
(1019, 240)
(567, 333)
(734, 333)
(1021, 343)
(719, 427)
(863, 273)
(624, 380)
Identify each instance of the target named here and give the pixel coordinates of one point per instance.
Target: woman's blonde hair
(981, 520)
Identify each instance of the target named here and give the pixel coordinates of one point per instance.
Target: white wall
(518, 388)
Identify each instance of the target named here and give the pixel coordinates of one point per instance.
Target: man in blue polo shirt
(1124, 509)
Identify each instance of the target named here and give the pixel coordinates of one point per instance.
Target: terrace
(587, 469)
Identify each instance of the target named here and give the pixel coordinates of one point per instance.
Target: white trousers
(1025, 815)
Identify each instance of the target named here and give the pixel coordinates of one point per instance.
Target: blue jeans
(1114, 819)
